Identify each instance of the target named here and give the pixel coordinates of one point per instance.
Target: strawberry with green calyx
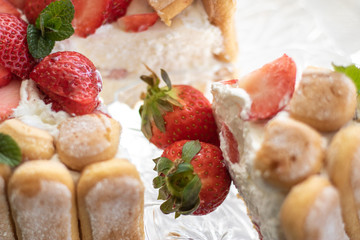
(10, 153)
(175, 112)
(53, 24)
(192, 178)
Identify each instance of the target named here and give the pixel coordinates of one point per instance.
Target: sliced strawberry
(10, 98)
(90, 15)
(7, 7)
(14, 53)
(5, 76)
(231, 143)
(138, 22)
(270, 87)
(20, 4)
(117, 9)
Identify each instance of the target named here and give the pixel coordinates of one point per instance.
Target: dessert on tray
(291, 149)
(60, 174)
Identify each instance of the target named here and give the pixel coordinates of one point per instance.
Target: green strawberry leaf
(53, 24)
(158, 182)
(190, 149)
(163, 193)
(352, 71)
(39, 46)
(10, 153)
(164, 165)
(166, 78)
(169, 206)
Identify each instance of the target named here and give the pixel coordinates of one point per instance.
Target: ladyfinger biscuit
(325, 100)
(291, 152)
(6, 226)
(42, 200)
(221, 14)
(87, 139)
(343, 164)
(111, 201)
(311, 211)
(33, 142)
(168, 9)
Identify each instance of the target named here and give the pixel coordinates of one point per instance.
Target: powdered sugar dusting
(86, 135)
(115, 203)
(5, 225)
(355, 177)
(324, 221)
(45, 215)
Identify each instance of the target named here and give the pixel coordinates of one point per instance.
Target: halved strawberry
(69, 79)
(5, 76)
(138, 22)
(231, 143)
(10, 98)
(89, 16)
(7, 7)
(14, 53)
(270, 87)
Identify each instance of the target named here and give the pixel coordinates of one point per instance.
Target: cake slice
(266, 146)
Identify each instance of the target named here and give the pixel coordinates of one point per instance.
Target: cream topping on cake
(33, 111)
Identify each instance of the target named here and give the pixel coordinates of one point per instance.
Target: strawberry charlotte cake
(292, 149)
(60, 177)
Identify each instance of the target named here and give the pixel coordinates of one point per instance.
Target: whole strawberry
(14, 53)
(174, 113)
(192, 178)
(70, 80)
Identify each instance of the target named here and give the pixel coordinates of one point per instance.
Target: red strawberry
(70, 80)
(20, 4)
(33, 8)
(7, 7)
(192, 178)
(174, 113)
(232, 145)
(10, 98)
(138, 22)
(5, 76)
(270, 87)
(14, 53)
(117, 9)
(91, 14)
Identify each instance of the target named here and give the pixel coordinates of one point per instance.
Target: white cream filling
(33, 111)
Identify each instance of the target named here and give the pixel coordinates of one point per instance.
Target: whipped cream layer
(185, 50)
(263, 201)
(33, 111)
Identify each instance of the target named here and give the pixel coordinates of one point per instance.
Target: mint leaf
(39, 46)
(10, 153)
(352, 71)
(53, 24)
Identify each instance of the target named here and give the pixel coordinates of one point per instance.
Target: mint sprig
(53, 24)
(352, 71)
(10, 153)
